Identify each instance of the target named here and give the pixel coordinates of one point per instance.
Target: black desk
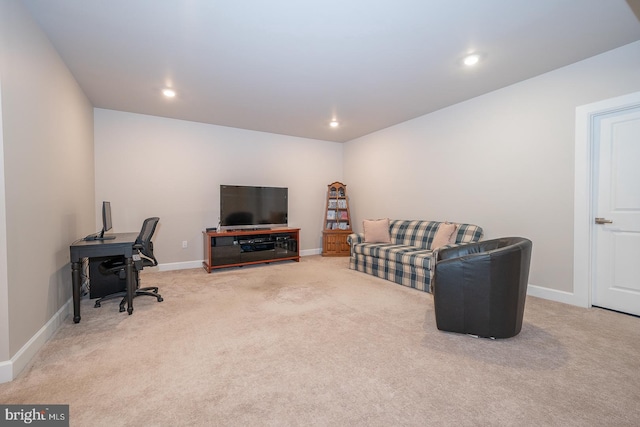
(80, 249)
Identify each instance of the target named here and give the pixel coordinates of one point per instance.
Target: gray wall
(48, 200)
(504, 161)
(148, 166)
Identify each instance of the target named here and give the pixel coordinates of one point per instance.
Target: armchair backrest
(144, 243)
(485, 246)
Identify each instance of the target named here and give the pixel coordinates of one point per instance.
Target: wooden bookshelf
(337, 221)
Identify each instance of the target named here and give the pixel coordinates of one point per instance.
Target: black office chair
(142, 257)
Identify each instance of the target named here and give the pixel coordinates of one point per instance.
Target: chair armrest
(454, 250)
(463, 249)
(137, 261)
(471, 249)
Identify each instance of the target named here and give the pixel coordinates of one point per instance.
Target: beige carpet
(314, 343)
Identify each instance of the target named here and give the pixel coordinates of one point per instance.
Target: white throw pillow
(376, 230)
(446, 235)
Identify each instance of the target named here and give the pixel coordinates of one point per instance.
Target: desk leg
(131, 287)
(76, 268)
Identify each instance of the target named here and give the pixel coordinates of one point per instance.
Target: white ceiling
(290, 66)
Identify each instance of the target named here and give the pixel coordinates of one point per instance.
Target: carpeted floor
(314, 343)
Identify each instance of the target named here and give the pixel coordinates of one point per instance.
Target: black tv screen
(247, 207)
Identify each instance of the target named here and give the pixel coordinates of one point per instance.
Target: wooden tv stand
(243, 247)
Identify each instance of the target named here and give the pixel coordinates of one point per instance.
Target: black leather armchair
(480, 288)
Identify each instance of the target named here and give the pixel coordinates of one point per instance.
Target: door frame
(587, 125)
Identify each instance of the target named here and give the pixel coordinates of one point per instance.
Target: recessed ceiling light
(334, 123)
(169, 93)
(471, 60)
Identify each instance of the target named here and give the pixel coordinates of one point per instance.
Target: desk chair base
(113, 296)
(151, 291)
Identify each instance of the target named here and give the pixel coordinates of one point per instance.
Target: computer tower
(103, 284)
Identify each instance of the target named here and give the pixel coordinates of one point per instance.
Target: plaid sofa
(408, 259)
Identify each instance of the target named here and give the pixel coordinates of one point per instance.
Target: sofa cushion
(402, 254)
(445, 235)
(413, 233)
(376, 230)
(404, 274)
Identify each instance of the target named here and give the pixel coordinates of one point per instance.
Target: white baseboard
(555, 295)
(309, 252)
(6, 371)
(185, 265)
(10, 369)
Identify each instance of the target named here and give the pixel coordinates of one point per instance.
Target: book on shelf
(333, 204)
(344, 215)
(342, 204)
(331, 214)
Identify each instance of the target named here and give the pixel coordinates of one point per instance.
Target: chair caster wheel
(160, 299)
(122, 308)
(97, 305)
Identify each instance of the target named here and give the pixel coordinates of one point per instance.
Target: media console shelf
(243, 247)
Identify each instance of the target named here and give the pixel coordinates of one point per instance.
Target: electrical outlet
(184, 244)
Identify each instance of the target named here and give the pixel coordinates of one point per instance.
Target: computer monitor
(106, 224)
(106, 220)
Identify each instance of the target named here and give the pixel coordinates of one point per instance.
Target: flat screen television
(248, 207)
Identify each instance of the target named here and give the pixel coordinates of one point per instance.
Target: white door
(617, 222)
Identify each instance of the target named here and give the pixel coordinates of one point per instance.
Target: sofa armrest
(354, 238)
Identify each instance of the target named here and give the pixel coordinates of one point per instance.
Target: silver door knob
(603, 221)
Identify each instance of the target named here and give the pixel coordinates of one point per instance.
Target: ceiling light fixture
(334, 123)
(471, 60)
(169, 93)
